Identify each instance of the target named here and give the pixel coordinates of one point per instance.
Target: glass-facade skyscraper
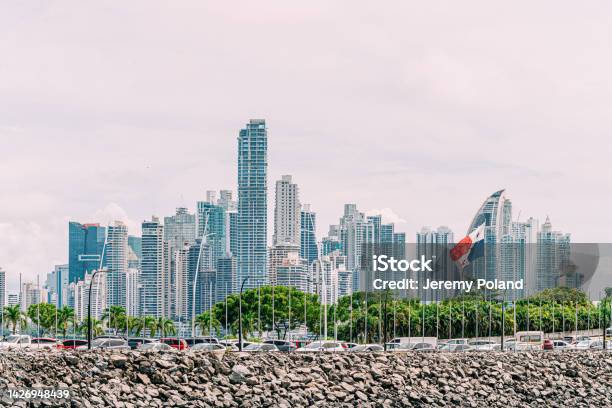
(85, 243)
(308, 239)
(252, 203)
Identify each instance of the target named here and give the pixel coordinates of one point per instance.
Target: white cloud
(114, 212)
(388, 215)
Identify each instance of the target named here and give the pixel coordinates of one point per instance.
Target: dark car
(71, 344)
(282, 345)
(134, 343)
(201, 340)
(548, 344)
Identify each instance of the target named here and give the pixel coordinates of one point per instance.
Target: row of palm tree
(52, 320)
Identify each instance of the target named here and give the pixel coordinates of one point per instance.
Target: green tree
(42, 315)
(65, 317)
(13, 316)
(96, 327)
(165, 326)
(114, 317)
(207, 320)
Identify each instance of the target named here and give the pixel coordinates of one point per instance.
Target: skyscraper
(57, 285)
(116, 261)
(2, 288)
(308, 238)
(211, 224)
(252, 203)
(180, 228)
(435, 245)
(496, 214)
(286, 213)
(553, 260)
(85, 243)
(154, 280)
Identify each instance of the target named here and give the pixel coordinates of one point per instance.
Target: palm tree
(13, 316)
(136, 325)
(165, 326)
(149, 322)
(65, 315)
(113, 317)
(203, 321)
(96, 327)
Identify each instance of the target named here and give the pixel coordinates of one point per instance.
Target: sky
(417, 110)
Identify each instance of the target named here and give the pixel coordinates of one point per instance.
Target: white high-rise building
(293, 272)
(287, 213)
(553, 260)
(154, 275)
(116, 256)
(325, 279)
(276, 257)
(98, 296)
(2, 288)
(30, 295)
(181, 286)
(132, 290)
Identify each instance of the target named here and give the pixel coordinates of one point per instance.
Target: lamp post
(240, 314)
(89, 309)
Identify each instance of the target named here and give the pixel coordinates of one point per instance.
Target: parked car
(529, 340)
(348, 345)
(107, 344)
(548, 344)
(136, 342)
(482, 345)
(179, 344)
(259, 347)
(208, 347)
(154, 347)
(328, 346)
(458, 341)
(598, 345)
(366, 348)
(16, 341)
(71, 344)
(40, 343)
(420, 347)
(560, 345)
(200, 340)
(282, 345)
(455, 348)
(583, 345)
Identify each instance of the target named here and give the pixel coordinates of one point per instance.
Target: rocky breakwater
(133, 379)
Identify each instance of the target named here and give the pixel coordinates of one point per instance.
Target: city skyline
(118, 130)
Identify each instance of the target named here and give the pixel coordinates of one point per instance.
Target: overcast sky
(120, 110)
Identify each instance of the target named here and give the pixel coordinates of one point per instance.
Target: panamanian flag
(469, 248)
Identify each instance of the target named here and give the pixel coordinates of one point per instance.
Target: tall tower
(252, 217)
(116, 260)
(85, 243)
(154, 279)
(2, 288)
(308, 238)
(286, 213)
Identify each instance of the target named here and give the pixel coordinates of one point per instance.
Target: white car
(208, 347)
(107, 344)
(257, 347)
(327, 346)
(483, 345)
(155, 346)
(44, 343)
(583, 345)
(16, 341)
(560, 345)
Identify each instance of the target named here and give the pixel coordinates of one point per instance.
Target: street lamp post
(240, 314)
(89, 310)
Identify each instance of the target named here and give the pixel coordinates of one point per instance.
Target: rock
(118, 360)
